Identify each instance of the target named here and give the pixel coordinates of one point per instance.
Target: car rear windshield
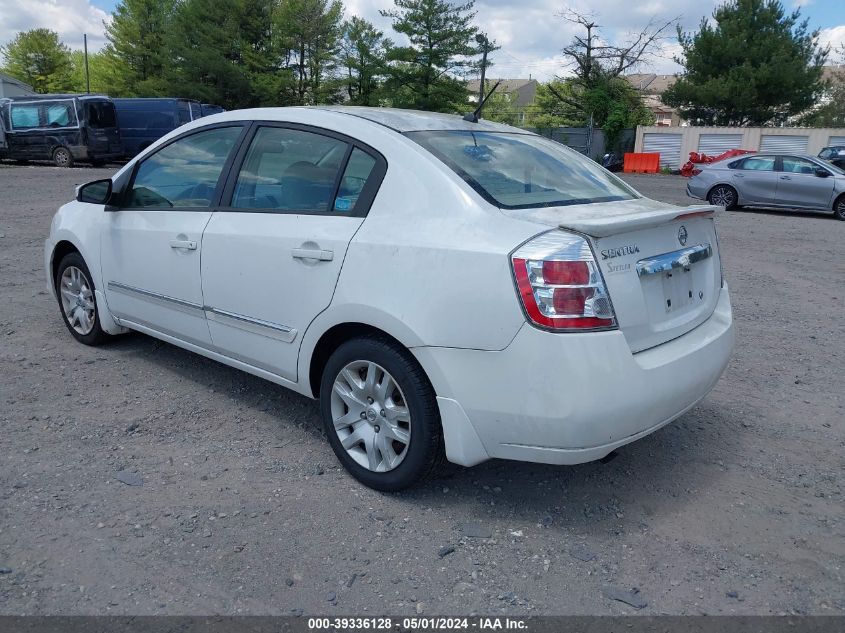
(519, 171)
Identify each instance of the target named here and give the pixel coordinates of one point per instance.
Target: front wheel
(723, 196)
(62, 157)
(380, 414)
(77, 300)
(839, 208)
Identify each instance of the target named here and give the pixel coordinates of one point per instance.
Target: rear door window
(758, 163)
(290, 170)
(355, 176)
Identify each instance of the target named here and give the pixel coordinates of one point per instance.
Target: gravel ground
(735, 508)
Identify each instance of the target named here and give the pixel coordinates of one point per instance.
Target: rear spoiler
(613, 224)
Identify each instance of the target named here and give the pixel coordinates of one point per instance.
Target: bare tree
(595, 60)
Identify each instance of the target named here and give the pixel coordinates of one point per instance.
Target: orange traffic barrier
(641, 163)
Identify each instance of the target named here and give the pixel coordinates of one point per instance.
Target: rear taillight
(560, 284)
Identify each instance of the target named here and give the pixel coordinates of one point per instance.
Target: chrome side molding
(194, 309)
(682, 258)
(256, 326)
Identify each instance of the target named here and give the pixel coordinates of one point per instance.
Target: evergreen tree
(426, 74)
(753, 65)
(137, 34)
(363, 53)
(222, 52)
(309, 32)
(38, 58)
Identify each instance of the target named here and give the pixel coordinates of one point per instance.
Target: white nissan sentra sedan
(446, 288)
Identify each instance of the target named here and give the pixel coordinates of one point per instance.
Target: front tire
(78, 300)
(723, 196)
(380, 414)
(62, 157)
(839, 208)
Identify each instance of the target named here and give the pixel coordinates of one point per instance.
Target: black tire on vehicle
(723, 196)
(422, 454)
(75, 292)
(839, 207)
(62, 157)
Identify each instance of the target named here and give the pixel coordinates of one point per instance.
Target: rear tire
(62, 157)
(839, 208)
(723, 196)
(78, 300)
(380, 414)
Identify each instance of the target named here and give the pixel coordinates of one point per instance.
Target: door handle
(785, 178)
(189, 245)
(739, 175)
(312, 253)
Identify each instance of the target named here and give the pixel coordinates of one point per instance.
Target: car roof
(417, 121)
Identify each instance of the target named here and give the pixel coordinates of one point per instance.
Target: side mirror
(821, 172)
(96, 192)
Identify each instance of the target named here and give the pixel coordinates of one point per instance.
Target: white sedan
(446, 288)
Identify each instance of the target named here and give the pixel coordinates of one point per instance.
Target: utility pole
(485, 46)
(85, 55)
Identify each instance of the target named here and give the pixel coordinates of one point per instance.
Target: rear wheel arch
(332, 339)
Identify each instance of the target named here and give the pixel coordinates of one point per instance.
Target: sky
(530, 32)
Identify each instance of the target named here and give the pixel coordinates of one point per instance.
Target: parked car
(208, 109)
(835, 155)
(772, 180)
(443, 287)
(144, 121)
(60, 128)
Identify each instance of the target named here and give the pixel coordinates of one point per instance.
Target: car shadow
(648, 478)
(785, 212)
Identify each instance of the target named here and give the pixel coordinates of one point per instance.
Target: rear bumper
(571, 398)
(696, 191)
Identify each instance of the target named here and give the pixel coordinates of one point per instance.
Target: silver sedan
(772, 180)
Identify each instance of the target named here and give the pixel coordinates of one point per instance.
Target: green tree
(309, 32)
(425, 75)
(553, 106)
(618, 106)
(363, 54)
(598, 64)
(105, 71)
(832, 111)
(223, 52)
(137, 34)
(500, 106)
(38, 58)
(753, 64)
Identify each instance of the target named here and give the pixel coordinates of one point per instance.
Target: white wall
(817, 137)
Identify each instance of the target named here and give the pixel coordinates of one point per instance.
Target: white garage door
(783, 144)
(715, 144)
(667, 145)
(836, 140)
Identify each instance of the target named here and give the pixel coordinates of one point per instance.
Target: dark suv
(835, 155)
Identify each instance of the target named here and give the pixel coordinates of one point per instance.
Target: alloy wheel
(77, 300)
(371, 416)
(61, 157)
(723, 196)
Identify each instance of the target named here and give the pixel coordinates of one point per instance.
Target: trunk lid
(660, 262)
